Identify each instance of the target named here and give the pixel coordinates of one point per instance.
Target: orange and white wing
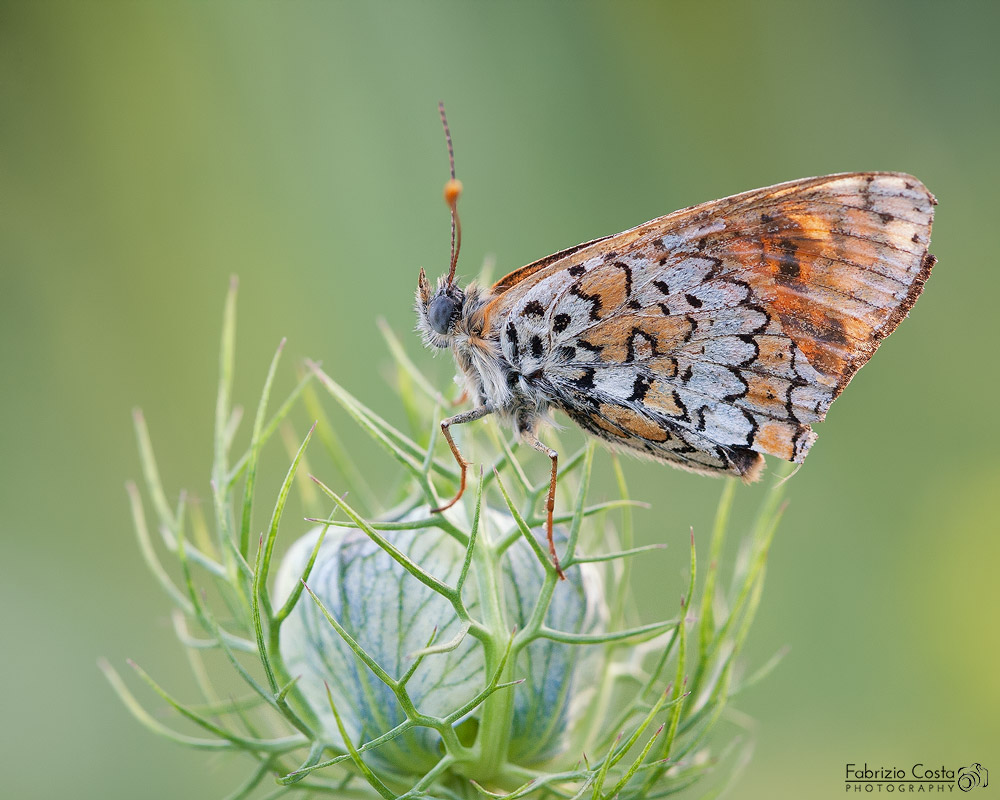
(722, 331)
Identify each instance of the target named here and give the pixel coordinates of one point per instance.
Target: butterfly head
(438, 311)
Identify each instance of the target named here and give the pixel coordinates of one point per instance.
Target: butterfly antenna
(452, 190)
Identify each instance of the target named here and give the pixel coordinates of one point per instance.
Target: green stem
(497, 717)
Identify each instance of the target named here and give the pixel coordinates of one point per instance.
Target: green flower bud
(393, 617)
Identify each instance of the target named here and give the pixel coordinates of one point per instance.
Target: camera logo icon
(972, 776)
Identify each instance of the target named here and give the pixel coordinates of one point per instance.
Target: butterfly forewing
(722, 331)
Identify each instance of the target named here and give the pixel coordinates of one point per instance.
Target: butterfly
(705, 338)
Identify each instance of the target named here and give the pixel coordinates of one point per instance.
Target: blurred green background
(149, 150)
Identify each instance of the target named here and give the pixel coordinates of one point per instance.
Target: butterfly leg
(458, 419)
(550, 503)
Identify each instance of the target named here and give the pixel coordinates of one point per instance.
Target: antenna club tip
(452, 190)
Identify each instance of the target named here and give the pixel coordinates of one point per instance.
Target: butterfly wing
(722, 331)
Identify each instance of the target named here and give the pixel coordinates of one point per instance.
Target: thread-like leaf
(255, 445)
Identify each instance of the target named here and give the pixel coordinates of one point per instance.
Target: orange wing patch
(631, 423)
(633, 337)
(840, 277)
(663, 397)
(605, 289)
(777, 439)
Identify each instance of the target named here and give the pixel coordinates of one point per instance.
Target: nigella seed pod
(389, 615)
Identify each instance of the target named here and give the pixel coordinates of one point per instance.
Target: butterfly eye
(442, 312)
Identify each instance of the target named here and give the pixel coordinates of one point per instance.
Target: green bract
(401, 653)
